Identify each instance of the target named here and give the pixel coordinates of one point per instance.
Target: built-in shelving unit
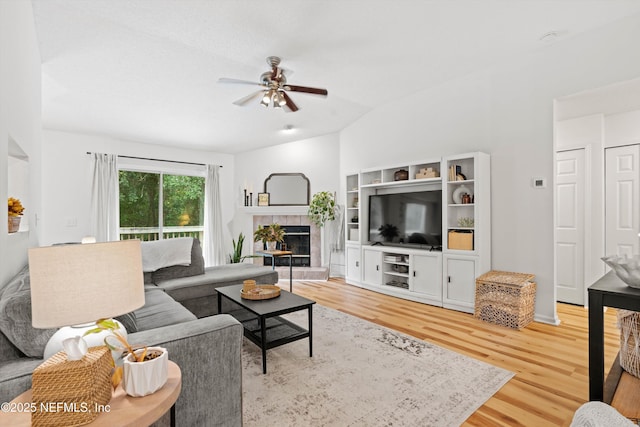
(447, 277)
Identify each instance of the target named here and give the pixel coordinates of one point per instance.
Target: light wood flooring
(550, 362)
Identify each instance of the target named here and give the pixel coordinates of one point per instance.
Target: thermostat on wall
(538, 182)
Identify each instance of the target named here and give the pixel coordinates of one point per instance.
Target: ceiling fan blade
(290, 106)
(238, 81)
(243, 101)
(305, 89)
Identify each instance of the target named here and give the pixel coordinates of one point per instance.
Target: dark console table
(608, 291)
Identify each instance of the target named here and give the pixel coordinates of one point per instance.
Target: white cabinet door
(353, 263)
(570, 209)
(372, 271)
(622, 199)
(426, 276)
(459, 283)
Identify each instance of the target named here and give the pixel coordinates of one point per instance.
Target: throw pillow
(196, 268)
(129, 322)
(15, 317)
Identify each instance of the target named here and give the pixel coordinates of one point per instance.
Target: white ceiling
(147, 70)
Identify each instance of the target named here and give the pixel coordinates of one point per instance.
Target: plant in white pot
(144, 370)
(269, 235)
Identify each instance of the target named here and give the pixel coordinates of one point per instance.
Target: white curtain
(213, 245)
(104, 197)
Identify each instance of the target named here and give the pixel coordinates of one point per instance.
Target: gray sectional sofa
(179, 314)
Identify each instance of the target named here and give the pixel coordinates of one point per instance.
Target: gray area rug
(362, 374)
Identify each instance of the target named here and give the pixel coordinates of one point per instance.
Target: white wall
(506, 111)
(67, 179)
(317, 158)
(20, 121)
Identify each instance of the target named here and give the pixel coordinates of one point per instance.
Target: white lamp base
(55, 342)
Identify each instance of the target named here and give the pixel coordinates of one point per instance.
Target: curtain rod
(159, 160)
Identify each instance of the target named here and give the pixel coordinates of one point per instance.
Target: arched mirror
(287, 189)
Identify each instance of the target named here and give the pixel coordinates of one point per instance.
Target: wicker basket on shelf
(629, 322)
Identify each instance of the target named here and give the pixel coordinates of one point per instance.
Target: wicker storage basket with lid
(505, 298)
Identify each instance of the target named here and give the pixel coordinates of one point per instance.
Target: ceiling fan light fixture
(266, 98)
(281, 101)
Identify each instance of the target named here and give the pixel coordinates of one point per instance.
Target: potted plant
(237, 257)
(15, 214)
(388, 231)
(269, 235)
(144, 369)
(322, 208)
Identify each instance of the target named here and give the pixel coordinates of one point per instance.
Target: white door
(570, 207)
(622, 192)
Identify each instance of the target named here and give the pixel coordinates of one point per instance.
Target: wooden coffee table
(261, 319)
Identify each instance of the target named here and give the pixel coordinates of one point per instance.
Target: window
(160, 205)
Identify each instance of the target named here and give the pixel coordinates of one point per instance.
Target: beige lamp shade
(75, 284)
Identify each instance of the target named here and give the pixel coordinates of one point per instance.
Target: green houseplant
(237, 257)
(270, 235)
(322, 208)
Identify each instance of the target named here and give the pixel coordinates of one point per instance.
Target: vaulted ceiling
(148, 70)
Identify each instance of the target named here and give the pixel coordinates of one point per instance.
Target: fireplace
(297, 239)
(303, 240)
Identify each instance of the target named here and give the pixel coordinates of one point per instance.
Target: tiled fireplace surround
(315, 271)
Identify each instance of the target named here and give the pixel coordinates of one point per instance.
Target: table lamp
(72, 285)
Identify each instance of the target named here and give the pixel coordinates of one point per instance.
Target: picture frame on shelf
(263, 199)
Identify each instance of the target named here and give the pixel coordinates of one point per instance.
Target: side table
(124, 410)
(608, 291)
(276, 253)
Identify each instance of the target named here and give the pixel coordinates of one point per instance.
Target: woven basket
(71, 393)
(505, 298)
(629, 322)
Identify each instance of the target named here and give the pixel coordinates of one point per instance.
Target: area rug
(362, 374)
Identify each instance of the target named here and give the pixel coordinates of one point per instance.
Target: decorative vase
(143, 378)
(271, 246)
(14, 223)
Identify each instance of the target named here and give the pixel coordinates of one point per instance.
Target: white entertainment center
(444, 277)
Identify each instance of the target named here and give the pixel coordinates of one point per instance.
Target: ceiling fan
(275, 89)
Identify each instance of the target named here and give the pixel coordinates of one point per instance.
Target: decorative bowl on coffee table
(626, 268)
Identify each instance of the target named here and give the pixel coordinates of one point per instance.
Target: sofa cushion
(195, 268)
(15, 317)
(160, 310)
(186, 288)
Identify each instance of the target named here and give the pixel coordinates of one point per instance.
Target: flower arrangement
(270, 233)
(15, 207)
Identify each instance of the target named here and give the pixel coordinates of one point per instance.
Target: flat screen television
(412, 219)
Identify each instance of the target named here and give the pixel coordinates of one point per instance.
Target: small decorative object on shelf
(354, 219)
(16, 211)
(427, 173)
(465, 222)
(263, 199)
(466, 199)
(401, 175)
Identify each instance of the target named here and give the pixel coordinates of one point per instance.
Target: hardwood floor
(550, 362)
